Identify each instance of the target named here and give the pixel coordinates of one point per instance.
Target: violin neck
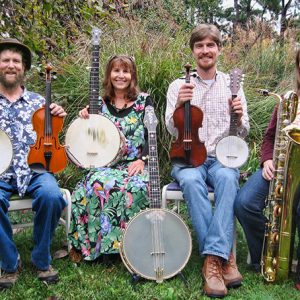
(94, 81)
(233, 120)
(187, 117)
(48, 117)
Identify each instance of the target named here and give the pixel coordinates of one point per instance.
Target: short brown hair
(126, 61)
(203, 31)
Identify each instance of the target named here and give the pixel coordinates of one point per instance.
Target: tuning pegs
(48, 72)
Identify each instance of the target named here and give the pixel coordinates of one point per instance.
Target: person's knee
(228, 176)
(191, 183)
(51, 200)
(243, 204)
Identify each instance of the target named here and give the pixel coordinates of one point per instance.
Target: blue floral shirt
(15, 120)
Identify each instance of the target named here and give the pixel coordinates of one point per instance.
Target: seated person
(250, 201)
(209, 91)
(17, 106)
(105, 200)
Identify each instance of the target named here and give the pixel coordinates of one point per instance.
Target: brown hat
(8, 42)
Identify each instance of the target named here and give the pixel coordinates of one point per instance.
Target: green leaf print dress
(104, 201)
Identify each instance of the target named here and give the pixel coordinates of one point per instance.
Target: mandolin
(232, 151)
(47, 155)
(156, 243)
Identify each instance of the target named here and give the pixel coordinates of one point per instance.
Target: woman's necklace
(118, 109)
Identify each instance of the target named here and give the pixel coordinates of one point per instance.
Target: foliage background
(156, 33)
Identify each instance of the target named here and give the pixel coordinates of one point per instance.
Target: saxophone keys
(279, 191)
(275, 238)
(277, 211)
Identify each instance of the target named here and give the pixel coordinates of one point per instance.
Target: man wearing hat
(17, 105)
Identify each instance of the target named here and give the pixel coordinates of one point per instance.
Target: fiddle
(47, 155)
(187, 119)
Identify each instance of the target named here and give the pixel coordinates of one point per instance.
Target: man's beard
(19, 80)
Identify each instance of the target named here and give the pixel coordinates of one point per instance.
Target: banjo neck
(94, 74)
(151, 122)
(233, 120)
(154, 192)
(236, 76)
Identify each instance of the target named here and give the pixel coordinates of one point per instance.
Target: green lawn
(99, 281)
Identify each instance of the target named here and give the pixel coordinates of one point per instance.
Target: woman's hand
(268, 170)
(84, 113)
(57, 110)
(136, 167)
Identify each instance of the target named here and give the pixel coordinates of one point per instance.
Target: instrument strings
(157, 215)
(158, 251)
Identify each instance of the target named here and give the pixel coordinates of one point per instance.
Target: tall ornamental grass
(160, 57)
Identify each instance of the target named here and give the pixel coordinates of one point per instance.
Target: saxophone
(279, 235)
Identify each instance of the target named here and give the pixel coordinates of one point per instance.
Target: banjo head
(156, 239)
(94, 142)
(232, 151)
(6, 150)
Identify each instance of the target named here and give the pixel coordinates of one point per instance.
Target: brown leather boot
(214, 285)
(231, 275)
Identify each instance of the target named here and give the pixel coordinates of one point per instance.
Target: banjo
(6, 150)
(156, 243)
(96, 141)
(232, 151)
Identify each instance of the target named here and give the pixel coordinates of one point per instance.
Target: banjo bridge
(158, 253)
(92, 153)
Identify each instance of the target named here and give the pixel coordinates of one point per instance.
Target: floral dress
(104, 201)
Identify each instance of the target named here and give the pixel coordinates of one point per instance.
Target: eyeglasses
(131, 58)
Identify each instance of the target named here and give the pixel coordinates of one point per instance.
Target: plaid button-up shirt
(213, 101)
(15, 120)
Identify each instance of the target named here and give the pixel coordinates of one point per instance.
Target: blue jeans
(248, 207)
(48, 204)
(214, 227)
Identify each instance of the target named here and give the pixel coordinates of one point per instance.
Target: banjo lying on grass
(156, 243)
(232, 151)
(96, 141)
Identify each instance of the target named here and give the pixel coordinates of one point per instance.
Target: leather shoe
(214, 285)
(49, 276)
(231, 275)
(7, 280)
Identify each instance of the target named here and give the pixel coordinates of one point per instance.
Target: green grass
(98, 281)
